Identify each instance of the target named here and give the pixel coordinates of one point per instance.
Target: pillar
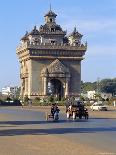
(26, 86)
(22, 89)
(45, 85)
(67, 88)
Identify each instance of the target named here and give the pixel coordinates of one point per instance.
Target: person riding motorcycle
(54, 109)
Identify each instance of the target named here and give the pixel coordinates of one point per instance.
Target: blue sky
(95, 19)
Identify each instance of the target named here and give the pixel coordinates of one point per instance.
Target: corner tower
(50, 60)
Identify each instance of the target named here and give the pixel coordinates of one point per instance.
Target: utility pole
(98, 88)
(98, 85)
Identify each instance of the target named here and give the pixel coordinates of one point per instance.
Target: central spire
(50, 7)
(50, 16)
(50, 13)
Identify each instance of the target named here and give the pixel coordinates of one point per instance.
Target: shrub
(8, 99)
(50, 99)
(63, 99)
(26, 99)
(16, 101)
(1, 101)
(61, 103)
(37, 99)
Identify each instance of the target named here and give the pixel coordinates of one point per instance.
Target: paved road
(100, 133)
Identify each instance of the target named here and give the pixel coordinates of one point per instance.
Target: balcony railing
(55, 46)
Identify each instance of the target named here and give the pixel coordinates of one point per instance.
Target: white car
(99, 106)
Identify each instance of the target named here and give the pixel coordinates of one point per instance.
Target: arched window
(52, 30)
(51, 20)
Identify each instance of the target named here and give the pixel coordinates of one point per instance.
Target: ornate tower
(50, 60)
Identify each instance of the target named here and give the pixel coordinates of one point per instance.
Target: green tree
(105, 86)
(108, 86)
(88, 86)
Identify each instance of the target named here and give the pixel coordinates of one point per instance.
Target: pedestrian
(30, 102)
(21, 103)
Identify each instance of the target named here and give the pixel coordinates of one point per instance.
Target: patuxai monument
(50, 60)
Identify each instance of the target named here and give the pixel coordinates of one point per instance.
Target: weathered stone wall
(29, 62)
(36, 83)
(75, 71)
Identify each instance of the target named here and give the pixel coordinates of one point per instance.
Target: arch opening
(55, 88)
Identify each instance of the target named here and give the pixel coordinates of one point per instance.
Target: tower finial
(75, 29)
(50, 6)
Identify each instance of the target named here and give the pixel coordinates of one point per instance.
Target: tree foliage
(105, 86)
(88, 86)
(108, 86)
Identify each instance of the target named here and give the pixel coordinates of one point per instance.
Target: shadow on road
(14, 132)
(41, 122)
(102, 118)
(51, 121)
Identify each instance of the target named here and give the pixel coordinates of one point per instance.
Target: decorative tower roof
(34, 31)
(50, 14)
(25, 36)
(75, 38)
(50, 17)
(50, 25)
(75, 33)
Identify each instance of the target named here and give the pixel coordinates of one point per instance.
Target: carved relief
(55, 69)
(57, 66)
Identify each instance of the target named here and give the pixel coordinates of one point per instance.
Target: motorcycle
(54, 116)
(75, 111)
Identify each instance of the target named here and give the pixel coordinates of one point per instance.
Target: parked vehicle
(99, 106)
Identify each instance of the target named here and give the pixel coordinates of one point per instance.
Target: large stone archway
(47, 53)
(56, 71)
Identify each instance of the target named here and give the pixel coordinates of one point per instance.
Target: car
(99, 106)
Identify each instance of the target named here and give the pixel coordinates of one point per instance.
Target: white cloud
(97, 25)
(105, 25)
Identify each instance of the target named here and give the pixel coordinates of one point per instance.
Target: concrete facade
(47, 54)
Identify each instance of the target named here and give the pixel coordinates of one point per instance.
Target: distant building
(106, 95)
(91, 94)
(9, 91)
